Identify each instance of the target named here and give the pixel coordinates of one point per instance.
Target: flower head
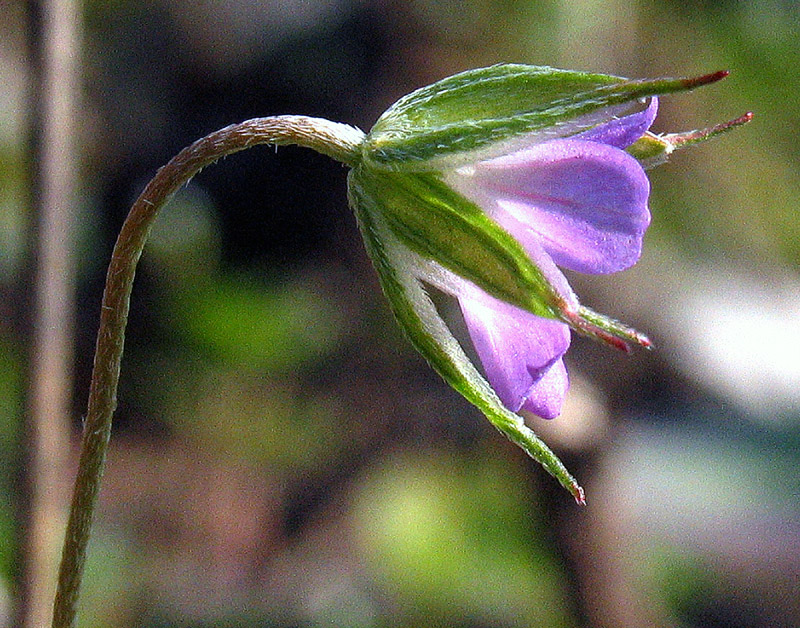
(482, 185)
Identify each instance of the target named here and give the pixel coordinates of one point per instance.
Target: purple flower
(579, 202)
(483, 185)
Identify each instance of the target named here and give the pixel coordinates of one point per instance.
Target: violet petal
(622, 132)
(546, 396)
(518, 351)
(587, 202)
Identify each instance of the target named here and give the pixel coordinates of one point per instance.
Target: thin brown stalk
(335, 140)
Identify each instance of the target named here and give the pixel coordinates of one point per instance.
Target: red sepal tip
(578, 494)
(706, 79)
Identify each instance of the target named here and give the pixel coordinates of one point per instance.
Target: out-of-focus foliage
(453, 535)
(283, 458)
(14, 197)
(10, 430)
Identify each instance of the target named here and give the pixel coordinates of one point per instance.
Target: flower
(580, 202)
(482, 185)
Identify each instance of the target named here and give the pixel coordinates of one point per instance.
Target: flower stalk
(338, 141)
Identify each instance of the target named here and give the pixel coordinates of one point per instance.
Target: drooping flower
(481, 185)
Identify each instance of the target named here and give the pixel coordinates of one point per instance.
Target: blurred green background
(281, 456)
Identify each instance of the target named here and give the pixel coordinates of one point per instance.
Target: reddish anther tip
(644, 341)
(578, 494)
(706, 79)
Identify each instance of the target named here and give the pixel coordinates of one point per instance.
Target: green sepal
(482, 109)
(439, 224)
(418, 318)
(650, 149)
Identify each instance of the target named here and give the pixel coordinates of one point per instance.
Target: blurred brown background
(281, 456)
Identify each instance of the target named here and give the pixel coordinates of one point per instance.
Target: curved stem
(339, 141)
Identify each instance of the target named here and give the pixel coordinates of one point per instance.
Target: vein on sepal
(439, 224)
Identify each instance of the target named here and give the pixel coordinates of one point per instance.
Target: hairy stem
(339, 141)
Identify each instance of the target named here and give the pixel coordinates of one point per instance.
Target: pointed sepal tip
(706, 79)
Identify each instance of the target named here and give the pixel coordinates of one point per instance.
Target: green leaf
(419, 319)
(439, 224)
